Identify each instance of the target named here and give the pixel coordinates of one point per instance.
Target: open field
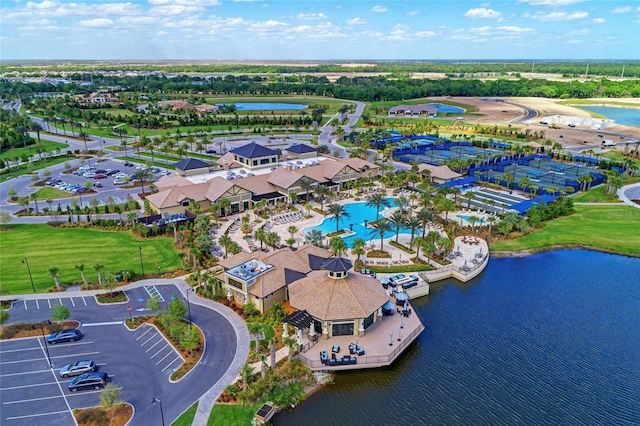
(51, 192)
(232, 415)
(38, 165)
(63, 248)
(608, 228)
(47, 145)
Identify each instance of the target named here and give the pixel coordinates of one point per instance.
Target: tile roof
(258, 185)
(354, 296)
(439, 172)
(191, 164)
(170, 181)
(284, 178)
(253, 150)
(174, 196)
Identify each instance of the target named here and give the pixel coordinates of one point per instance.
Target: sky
(319, 30)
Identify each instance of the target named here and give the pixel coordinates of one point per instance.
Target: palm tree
(98, 268)
(469, 196)
(473, 220)
(524, 183)
(380, 227)
(413, 223)
(446, 205)
(306, 184)
(292, 230)
(55, 274)
(245, 371)
(338, 212)
(273, 240)
(226, 242)
(80, 268)
(357, 247)
(254, 330)
(322, 192)
(337, 245)
(425, 216)
(260, 235)
(377, 200)
(34, 197)
(292, 344)
(397, 220)
(142, 176)
(419, 243)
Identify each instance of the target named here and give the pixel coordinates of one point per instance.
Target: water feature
(465, 218)
(257, 106)
(545, 339)
(628, 116)
(358, 213)
(447, 108)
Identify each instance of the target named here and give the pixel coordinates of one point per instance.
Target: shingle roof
(354, 296)
(337, 264)
(171, 181)
(174, 196)
(284, 178)
(301, 149)
(191, 164)
(253, 150)
(439, 172)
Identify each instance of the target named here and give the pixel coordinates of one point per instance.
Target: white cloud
(515, 29)
(559, 16)
(137, 20)
(622, 9)
(96, 23)
(309, 16)
(412, 13)
(550, 2)
(379, 9)
(196, 3)
(426, 34)
(356, 21)
(482, 13)
(598, 21)
(44, 5)
(174, 9)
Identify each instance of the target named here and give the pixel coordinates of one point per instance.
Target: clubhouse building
(252, 173)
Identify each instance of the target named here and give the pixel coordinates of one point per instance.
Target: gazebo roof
(337, 264)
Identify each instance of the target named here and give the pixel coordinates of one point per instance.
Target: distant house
(98, 98)
(191, 166)
(206, 109)
(410, 110)
(177, 105)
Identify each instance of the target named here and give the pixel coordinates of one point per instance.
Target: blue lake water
(266, 106)
(549, 339)
(358, 213)
(628, 116)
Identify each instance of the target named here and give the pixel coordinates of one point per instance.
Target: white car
(119, 181)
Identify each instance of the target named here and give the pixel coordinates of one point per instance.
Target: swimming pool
(358, 213)
(447, 108)
(257, 106)
(465, 218)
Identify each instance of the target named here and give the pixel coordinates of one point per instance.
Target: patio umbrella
(391, 338)
(357, 341)
(402, 321)
(299, 336)
(399, 334)
(312, 328)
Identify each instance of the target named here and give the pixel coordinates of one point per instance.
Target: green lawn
(610, 228)
(47, 145)
(147, 162)
(47, 247)
(232, 415)
(186, 418)
(595, 195)
(51, 192)
(37, 165)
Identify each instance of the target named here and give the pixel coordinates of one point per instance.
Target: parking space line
(36, 415)
(37, 304)
(19, 350)
(72, 302)
(88, 392)
(161, 349)
(31, 400)
(163, 358)
(55, 376)
(60, 356)
(148, 330)
(60, 299)
(25, 305)
(171, 363)
(147, 341)
(85, 302)
(28, 386)
(22, 374)
(49, 302)
(159, 341)
(95, 324)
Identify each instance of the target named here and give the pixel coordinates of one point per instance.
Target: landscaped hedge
(402, 247)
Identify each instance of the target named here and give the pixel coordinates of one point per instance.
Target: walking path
(208, 399)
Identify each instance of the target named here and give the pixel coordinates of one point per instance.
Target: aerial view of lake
(256, 106)
(551, 338)
(628, 116)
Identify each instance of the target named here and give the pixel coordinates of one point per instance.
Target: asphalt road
(140, 361)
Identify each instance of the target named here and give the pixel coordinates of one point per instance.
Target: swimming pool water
(257, 106)
(466, 218)
(358, 212)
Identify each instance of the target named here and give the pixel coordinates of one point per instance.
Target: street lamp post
(141, 263)
(155, 401)
(189, 305)
(46, 347)
(26, 262)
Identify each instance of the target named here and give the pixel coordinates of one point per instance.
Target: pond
(250, 106)
(628, 116)
(447, 108)
(545, 339)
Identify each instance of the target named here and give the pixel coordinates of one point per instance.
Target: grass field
(232, 415)
(63, 248)
(38, 165)
(608, 228)
(595, 195)
(370, 109)
(147, 162)
(31, 150)
(51, 192)
(186, 418)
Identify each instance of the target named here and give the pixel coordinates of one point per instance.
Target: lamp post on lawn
(155, 401)
(141, 264)
(190, 289)
(46, 348)
(26, 262)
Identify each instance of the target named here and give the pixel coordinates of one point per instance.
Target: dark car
(69, 335)
(113, 172)
(78, 368)
(101, 171)
(89, 381)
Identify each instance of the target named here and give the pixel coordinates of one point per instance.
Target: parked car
(165, 173)
(100, 176)
(78, 368)
(68, 335)
(89, 175)
(156, 170)
(100, 171)
(113, 172)
(119, 181)
(89, 381)
(128, 164)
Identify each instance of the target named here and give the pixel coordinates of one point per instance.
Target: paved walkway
(207, 400)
